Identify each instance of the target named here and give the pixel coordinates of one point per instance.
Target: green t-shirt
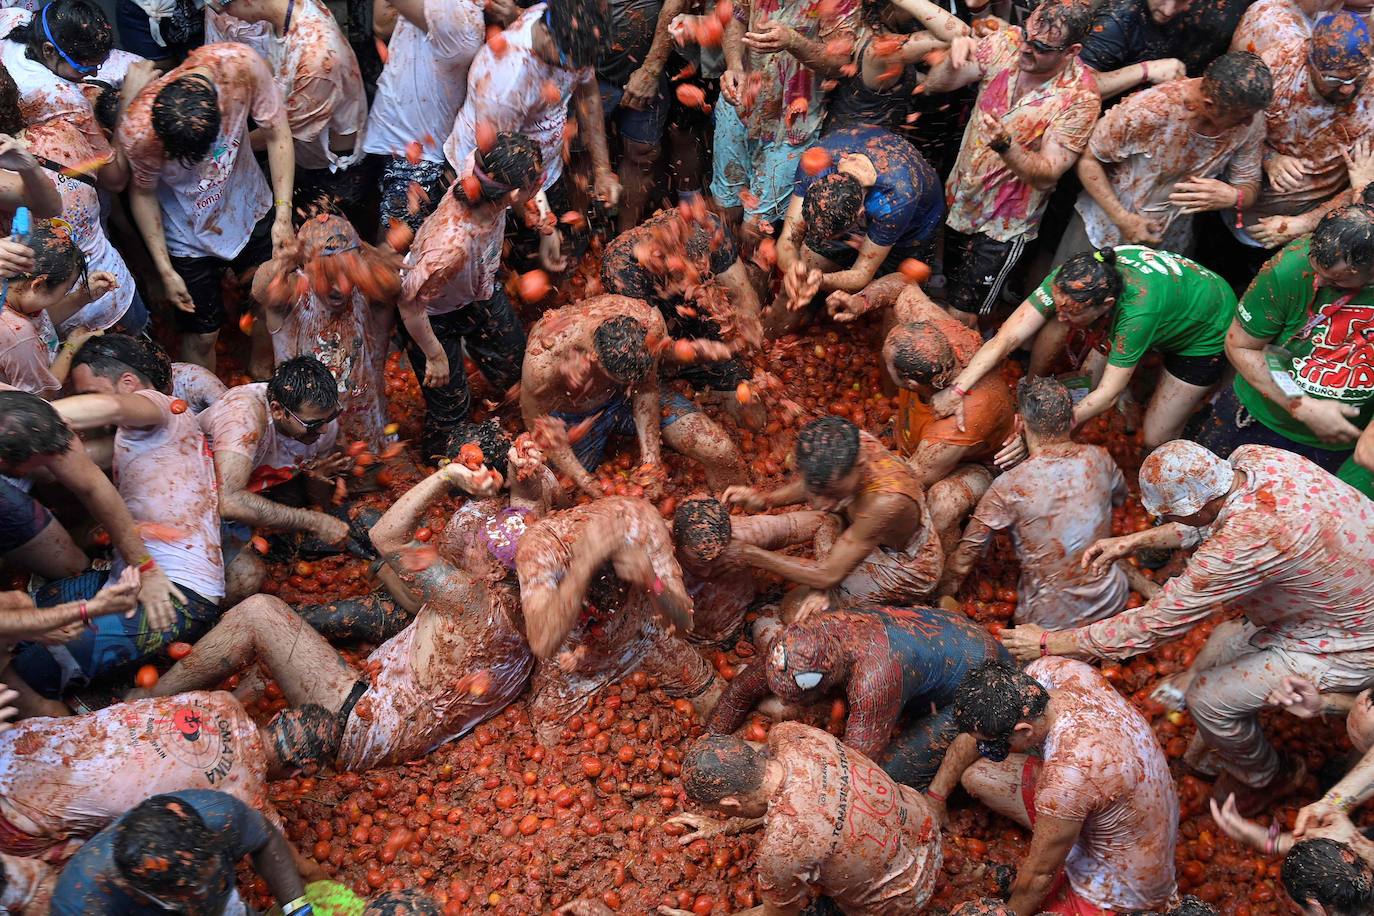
(1276, 307)
(1168, 303)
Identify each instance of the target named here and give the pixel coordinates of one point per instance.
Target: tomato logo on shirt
(1340, 365)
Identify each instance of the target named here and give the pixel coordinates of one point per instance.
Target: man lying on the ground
(459, 662)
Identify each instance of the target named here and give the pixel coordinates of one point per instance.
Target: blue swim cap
(1340, 41)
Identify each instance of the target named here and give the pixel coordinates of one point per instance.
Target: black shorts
(204, 279)
(1225, 425)
(22, 518)
(351, 192)
(397, 175)
(1203, 371)
(977, 268)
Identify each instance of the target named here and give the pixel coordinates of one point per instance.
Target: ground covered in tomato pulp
(497, 823)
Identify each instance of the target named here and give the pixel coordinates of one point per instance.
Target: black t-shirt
(632, 34)
(1123, 33)
(1203, 33)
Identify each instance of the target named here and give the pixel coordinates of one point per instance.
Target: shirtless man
(888, 553)
(560, 561)
(460, 661)
(685, 262)
(830, 817)
(593, 368)
(262, 435)
(113, 759)
(1067, 756)
(1057, 503)
(721, 584)
(898, 668)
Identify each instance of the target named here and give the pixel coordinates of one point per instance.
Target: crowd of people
(1156, 212)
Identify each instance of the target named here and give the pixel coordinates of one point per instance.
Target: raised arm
(857, 542)
(94, 411)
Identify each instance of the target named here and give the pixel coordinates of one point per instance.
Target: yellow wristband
(281, 203)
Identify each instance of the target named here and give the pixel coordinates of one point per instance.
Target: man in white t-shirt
(262, 436)
(421, 88)
(162, 468)
(198, 196)
(544, 65)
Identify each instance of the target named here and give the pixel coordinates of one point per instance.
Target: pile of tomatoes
(498, 823)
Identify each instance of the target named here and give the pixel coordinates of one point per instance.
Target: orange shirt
(989, 409)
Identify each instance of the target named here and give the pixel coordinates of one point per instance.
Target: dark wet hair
(702, 524)
(1239, 81)
(409, 902)
(1192, 906)
(994, 697)
(303, 380)
(111, 355)
(489, 436)
(1367, 195)
(78, 27)
(56, 256)
(620, 345)
(305, 736)
(579, 28)
(105, 104)
(163, 843)
(1070, 18)
(719, 766)
(827, 449)
(831, 207)
(30, 426)
(1045, 406)
(1331, 874)
(514, 161)
(921, 352)
(1090, 277)
(1345, 234)
(186, 118)
(11, 118)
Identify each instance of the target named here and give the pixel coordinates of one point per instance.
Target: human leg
(914, 756)
(1002, 786)
(689, 432)
(263, 629)
(953, 498)
(32, 539)
(1184, 384)
(373, 618)
(446, 405)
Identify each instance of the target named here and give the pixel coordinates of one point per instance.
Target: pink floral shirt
(984, 194)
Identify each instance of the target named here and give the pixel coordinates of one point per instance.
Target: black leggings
(372, 618)
(492, 335)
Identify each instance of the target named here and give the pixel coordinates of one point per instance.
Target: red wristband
(147, 565)
(86, 617)
(1240, 218)
(937, 796)
(1044, 643)
(959, 391)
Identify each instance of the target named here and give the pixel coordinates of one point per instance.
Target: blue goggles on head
(83, 69)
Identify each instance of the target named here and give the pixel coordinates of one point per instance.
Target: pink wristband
(1145, 68)
(1044, 643)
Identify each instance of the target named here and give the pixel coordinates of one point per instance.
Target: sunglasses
(1039, 47)
(311, 425)
(1337, 80)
